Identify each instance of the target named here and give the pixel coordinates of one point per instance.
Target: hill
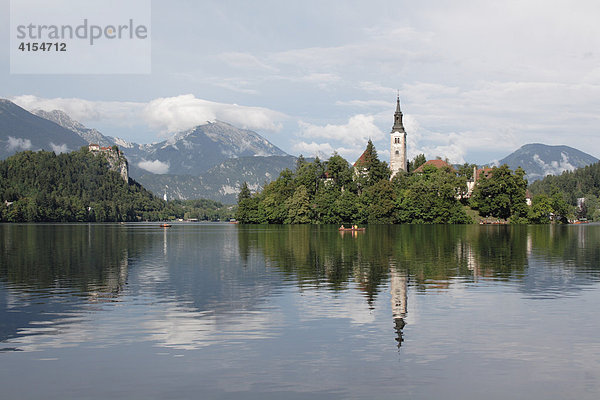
(539, 160)
(80, 186)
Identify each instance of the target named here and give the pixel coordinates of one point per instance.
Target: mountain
(21, 130)
(222, 182)
(539, 160)
(194, 151)
(87, 134)
(210, 160)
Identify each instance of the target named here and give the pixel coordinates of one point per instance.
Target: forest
(334, 192)
(81, 187)
(583, 183)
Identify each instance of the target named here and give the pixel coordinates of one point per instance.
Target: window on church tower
(397, 152)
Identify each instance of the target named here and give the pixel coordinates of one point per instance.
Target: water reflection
(190, 286)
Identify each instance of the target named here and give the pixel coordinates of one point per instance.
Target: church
(398, 160)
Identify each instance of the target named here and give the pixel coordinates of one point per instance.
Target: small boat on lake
(165, 225)
(351, 229)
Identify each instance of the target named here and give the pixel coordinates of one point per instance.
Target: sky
(476, 79)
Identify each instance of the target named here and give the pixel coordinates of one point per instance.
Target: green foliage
(502, 195)
(204, 209)
(566, 188)
(541, 208)
(431, 197)
(72, 187)
(332, 192)
(370, 169)
(416, 162)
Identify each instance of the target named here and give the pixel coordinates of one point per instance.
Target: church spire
(398, 126)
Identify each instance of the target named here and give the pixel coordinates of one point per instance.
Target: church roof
(436, 163)
(361, 160)
(485, 172)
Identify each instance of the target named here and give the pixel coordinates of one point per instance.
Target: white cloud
(349, 140)
(245, 61)
(154, 166)
(172, 114)
(59, 148)
(120, 112)
(359, 129)
(18, 144)
(312, 149)
(555, 167)
(167, 114)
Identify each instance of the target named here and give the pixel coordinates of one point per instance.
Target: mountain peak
(539, 160)
(59, 117)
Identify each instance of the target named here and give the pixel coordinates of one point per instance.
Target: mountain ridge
(539, 160)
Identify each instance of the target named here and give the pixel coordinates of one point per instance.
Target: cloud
(245, 61)
(348, 139)
(154, 166)
(166, 114)
(120, 112)
(173, 114)
(312, 149)
(59, 148)
(359, 129)
(18, 144)
(555, 167)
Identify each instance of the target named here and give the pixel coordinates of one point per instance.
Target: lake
(224, 311)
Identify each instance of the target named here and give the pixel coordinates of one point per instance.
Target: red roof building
(436, 163)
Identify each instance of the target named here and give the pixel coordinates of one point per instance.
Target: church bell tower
(398, 159)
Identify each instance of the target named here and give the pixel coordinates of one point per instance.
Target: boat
(351, 229)
(165, 225)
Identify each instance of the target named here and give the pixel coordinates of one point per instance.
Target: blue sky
(477, 79)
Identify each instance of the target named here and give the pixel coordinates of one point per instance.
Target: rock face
(115, 158)
(87, 134)
(539, 160)
(194, 151)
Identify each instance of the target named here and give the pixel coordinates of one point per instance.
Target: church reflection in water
(398, 289)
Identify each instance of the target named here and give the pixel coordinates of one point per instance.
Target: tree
(416, 162)
(540, 210)
(502, 195)
(370, 169)
(431, 197)
(298, 207)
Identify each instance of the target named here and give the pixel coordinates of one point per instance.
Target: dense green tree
(298, 207)
(540, 210)
(378, 203)
(431, 197)
(416, 162)
(370, 169)
(466, 170)
(72, 187)
(502, 195)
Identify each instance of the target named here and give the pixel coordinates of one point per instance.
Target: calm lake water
(299, 312)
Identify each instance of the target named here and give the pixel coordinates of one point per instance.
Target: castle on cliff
(115, 158)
